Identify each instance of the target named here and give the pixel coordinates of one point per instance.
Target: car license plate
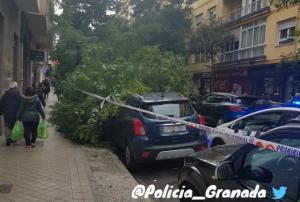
(173, 128)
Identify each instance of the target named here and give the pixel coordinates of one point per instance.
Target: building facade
(24, 35)
(24, 42)
(251, 63)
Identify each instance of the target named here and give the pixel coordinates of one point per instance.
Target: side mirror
(224, 171)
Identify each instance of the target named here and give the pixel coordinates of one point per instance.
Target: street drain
(5, 188)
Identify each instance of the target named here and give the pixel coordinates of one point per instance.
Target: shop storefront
(231, 81)
(272, 80)
(203, 82)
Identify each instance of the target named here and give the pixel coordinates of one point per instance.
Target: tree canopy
(283, 3)
(209, 39)
(105, 54)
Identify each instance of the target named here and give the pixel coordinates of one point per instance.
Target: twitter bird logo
(279, 193)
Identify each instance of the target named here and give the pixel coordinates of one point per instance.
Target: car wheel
(217, 142)
(129, 159)
(187, 187)
(220, 121)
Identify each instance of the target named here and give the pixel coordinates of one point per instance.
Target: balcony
(255, 52)
(249, 10)
(39, 24)
(28, 5)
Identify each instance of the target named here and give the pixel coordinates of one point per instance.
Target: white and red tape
(287, 150)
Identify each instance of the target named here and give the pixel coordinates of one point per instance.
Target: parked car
(245, 166)
(219, 108)
(143, 137)
(255, 124)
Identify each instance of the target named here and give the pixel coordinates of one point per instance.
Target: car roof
(280, 108)
(292, 126)
(274, 109)
(261, 111)
(248, 96)
(160, 97)
(221, 93)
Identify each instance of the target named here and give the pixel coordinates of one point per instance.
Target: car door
(212, 107)
(255, 165)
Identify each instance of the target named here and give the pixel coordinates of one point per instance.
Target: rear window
(177, 110)
(217, 99)
(247, 101)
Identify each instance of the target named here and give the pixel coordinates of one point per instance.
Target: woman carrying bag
(29, 113)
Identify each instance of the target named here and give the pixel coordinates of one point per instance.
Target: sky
(58, 10)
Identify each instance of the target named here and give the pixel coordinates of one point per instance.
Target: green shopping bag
(17, 131)
(42, 130)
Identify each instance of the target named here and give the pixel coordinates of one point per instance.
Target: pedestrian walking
(57, 90)
(9, 105)
(39, 91)
(29, 113)
(46, 89)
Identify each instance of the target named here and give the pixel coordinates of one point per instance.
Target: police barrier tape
(287, 150)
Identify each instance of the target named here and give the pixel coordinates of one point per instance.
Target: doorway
(1, 51)
(16, 59)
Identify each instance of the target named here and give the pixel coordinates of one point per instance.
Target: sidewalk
(56, 170)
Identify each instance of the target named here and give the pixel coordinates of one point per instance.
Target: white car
(255, 124)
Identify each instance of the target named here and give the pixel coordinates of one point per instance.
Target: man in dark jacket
(9, 105)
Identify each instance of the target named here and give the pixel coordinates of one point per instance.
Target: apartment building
(250, 64)
(24, 40)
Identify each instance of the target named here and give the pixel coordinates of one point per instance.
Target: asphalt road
(160, 174)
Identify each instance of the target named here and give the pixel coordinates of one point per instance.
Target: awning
(28, 5)
(39, 27)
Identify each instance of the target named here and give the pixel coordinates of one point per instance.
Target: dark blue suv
(143, 137)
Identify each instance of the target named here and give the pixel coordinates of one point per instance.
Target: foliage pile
(106, 55)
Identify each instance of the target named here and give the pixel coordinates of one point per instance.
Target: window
(176, 109)
(199, 20)
(217, 99)
(261, 122)
(234, 45)
(290, 116)
(287, 30)
(212, 13)
(197, 57)
(282, 168)
(253, 34)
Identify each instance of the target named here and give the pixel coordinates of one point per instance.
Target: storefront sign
(37, 56)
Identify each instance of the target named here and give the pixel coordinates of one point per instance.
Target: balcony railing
(242, 54)
(249, 9)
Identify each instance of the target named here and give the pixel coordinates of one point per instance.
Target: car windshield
(176, 109)
(281, 167)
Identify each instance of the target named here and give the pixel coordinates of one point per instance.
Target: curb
(110, 179)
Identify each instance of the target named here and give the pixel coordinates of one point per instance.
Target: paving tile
(55, 171)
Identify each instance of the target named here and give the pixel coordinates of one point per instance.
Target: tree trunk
(212, 74)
